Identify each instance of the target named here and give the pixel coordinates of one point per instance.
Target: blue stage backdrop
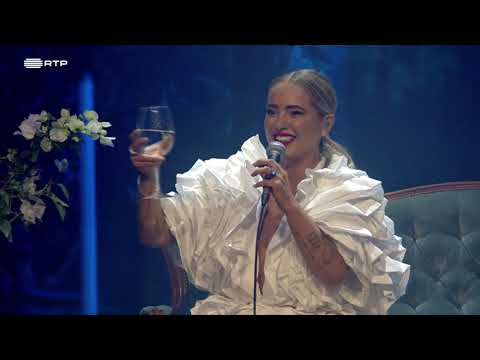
(406, 113)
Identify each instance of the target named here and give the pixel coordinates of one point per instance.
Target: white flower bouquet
(23, 188)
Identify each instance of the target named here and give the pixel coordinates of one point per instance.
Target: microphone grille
(276, 147)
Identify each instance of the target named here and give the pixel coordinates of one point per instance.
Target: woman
(326, 247)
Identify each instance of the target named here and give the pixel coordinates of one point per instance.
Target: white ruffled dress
(214, 217)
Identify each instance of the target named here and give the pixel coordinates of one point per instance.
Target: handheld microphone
(275, 151)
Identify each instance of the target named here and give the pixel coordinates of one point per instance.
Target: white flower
(27, 210)
(62, 166)
(29, 127)
(64, 113)
(43, 116)
(46, 144)
(60, 123)
(38, 210)
(104, 140)
(91, 115)
(33, 117)
(94, 127)
(59, 135)
(29, 185)
(75, 124)
(32, 212)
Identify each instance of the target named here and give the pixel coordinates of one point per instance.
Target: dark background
(406, 113)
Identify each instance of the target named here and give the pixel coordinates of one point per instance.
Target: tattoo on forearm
(314, 240)
(319, 248)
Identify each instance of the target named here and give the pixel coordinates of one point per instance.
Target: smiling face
(292, 120)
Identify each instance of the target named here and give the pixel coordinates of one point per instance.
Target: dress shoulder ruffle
(349, 206)
(211, 200)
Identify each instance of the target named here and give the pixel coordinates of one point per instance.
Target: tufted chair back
(440, 228)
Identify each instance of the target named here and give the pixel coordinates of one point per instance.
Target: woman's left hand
(279, 183)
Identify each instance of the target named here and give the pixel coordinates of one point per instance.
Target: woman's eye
(270, 112)
(296, 113)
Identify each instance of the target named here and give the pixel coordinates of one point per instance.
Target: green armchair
(440, 228)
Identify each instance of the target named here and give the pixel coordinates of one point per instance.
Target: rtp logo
(37, 63)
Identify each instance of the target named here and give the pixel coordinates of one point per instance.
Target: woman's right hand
(148, 160)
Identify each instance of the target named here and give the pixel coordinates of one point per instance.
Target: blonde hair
(324, 100)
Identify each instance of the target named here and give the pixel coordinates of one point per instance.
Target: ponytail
(328, 147)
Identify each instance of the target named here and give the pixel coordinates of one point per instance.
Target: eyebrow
(288, 107)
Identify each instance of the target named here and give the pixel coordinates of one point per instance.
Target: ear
(327, 124)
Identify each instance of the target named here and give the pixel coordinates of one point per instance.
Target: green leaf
(5, 202)
(64, 190)
(6, 228)
(56, 199)
(34, 157)
(16, 186)
(36, 199)
(3, 198)
(59, 204)
(60, 209)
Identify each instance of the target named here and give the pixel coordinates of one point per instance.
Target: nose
(282, 119)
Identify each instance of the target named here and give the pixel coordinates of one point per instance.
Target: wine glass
(156, 124)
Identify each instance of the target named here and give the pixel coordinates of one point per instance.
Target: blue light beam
(88, 214)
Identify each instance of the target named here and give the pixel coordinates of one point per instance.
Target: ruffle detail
(349, 207)
(205, 210)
